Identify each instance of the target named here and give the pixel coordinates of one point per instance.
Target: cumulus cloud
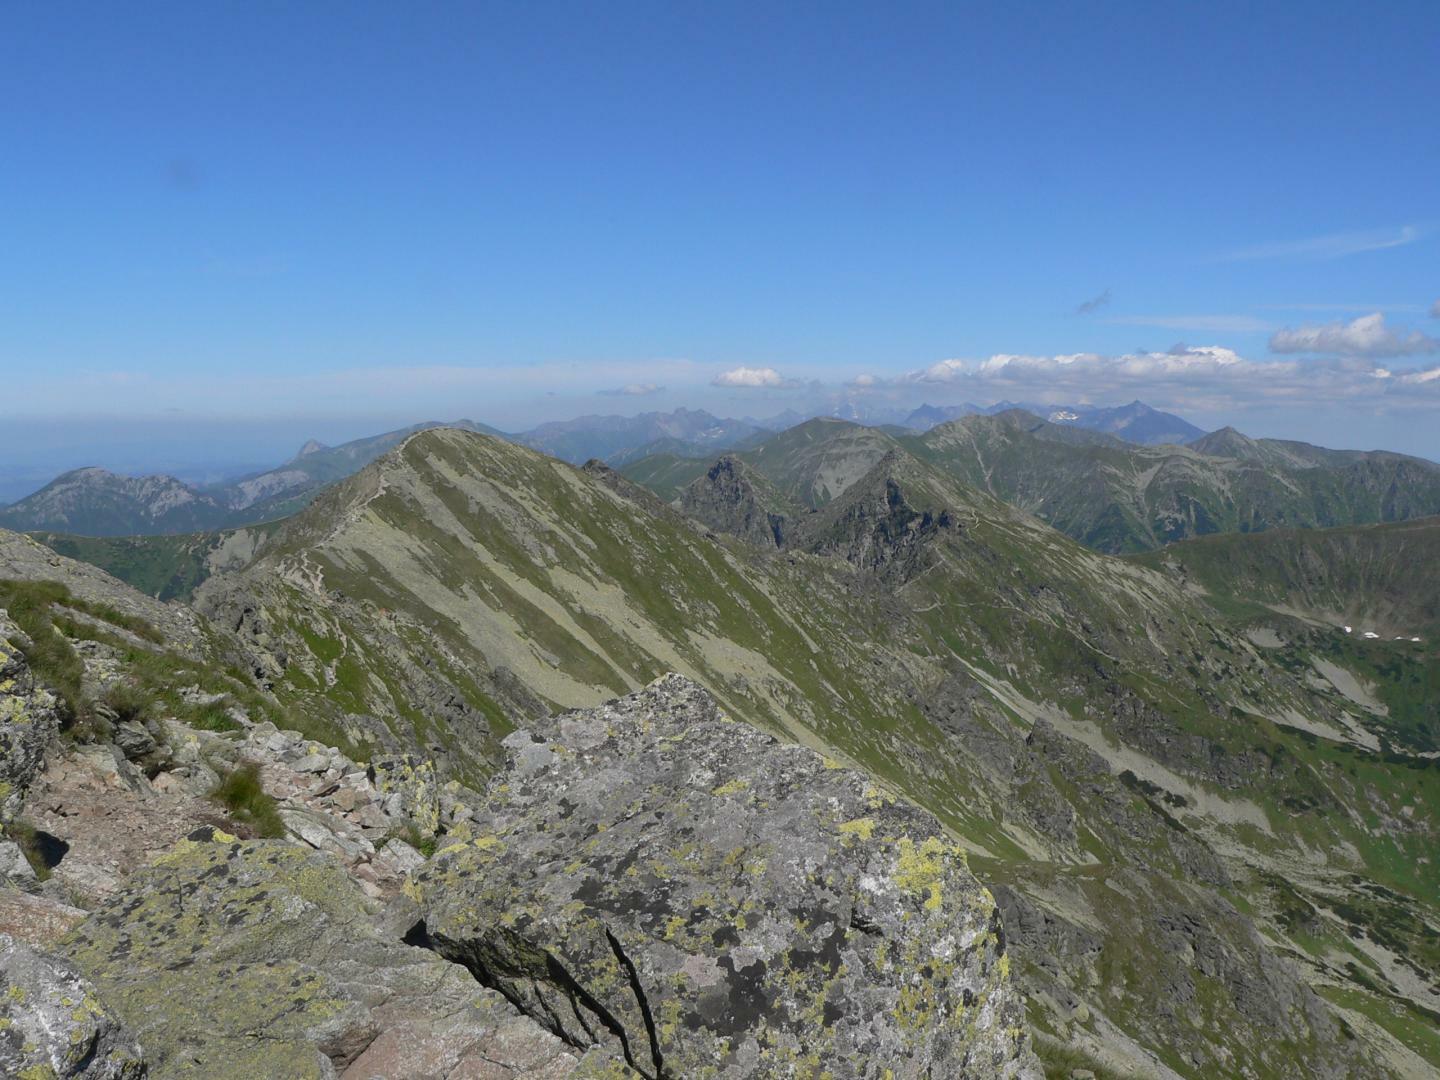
(753, 378)
(633, 390)
(1094, 304)
(863, 382)
(946, 371)
(1366, 336)
(1331, 246)
(1197, 377)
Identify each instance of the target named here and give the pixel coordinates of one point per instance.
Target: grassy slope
(1380, 577)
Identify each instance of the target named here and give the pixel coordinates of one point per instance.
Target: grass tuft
(257, 814)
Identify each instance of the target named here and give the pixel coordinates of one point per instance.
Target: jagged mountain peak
(730, 497)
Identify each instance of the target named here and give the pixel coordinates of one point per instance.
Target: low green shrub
(212, 716)
(255, 812)
(128, 702)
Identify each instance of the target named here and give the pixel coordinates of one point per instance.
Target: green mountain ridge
(1383, 579)
(1110, 495)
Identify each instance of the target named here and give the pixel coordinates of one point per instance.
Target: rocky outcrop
(259, 958)
(28, 721)
(874, 525)
(112, 819)
(52, 1024)
(689, 895)
(731, 498)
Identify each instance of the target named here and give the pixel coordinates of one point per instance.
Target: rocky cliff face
(730, 499)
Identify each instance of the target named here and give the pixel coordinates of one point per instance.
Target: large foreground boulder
(261, 960)
(704, 901)
(52, 1024)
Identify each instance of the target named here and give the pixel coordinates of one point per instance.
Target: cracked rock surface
(699, 900)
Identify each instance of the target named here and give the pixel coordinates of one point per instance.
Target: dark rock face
(696, 898)
(874, 526)
(52, 1024)
(727, 500)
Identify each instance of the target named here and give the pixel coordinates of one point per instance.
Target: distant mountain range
(1112, 495)
(96, 502)
(618, 439)
(1038, 470)
(1136, 422)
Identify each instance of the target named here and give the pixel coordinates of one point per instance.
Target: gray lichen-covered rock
(651, 877)
(260, 959)
(28, 721)
(412, 782)
(52, 1024)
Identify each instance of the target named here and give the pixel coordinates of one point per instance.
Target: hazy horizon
(210, 449)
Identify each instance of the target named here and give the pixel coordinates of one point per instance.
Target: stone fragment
(133, 740)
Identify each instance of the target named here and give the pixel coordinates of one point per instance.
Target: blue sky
(327, 217)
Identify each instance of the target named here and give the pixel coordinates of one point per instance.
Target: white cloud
(1366, 336)
(1332, 246)
(752, 378)
(1202, 378)
(1213, 324)
(633, 390)
(863, 382)
(944, 372)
